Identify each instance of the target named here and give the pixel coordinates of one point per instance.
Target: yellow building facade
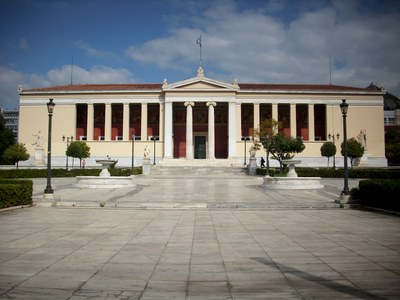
(198, 121)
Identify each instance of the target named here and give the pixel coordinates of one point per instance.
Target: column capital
(187, 103)
(213, 103)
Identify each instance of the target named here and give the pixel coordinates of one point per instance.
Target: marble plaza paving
(240, 251)
(192, 188)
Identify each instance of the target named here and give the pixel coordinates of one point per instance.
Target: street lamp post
(267, 152)
(48, 190)
(245, 138)
(334, 139)
(344, 107)
(154, 138)
(133, 148)
(68, 139)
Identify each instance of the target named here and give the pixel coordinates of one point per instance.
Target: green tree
(275, 143)
(328, 149)
(265, 132)
(78, 149)
(16, 153)
(6, 137)
(284, 147)
(354, 150)
(392, 147)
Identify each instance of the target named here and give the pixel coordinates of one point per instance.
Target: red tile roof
(297, 87)
(157, 87)
(99, 87)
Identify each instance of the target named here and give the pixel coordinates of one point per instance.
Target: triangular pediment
(200, 83)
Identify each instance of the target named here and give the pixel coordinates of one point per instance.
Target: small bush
(15, 192)
(124, 172)
(263, 171)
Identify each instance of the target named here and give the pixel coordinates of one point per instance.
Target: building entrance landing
(200, 147)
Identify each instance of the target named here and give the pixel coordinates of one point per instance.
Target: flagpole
(199, 43)
(201, 60)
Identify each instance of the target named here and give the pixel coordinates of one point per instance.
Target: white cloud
(97, 74)
(252, 45)
(10, 79)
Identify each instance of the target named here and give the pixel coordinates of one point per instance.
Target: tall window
(81, 122)
(116, 121)
(153, 119)
(320, 122)
(265, 111)
(302, 121)
(135, 117)
(99, 121)
(284, 118)
(247, 111)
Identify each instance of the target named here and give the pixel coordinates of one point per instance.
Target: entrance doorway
(200, 147)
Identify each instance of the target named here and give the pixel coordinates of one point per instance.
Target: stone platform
(292, 183)
(192, 188)
(106, 182)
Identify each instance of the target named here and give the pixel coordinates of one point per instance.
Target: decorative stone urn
(291, 163)
(105, 163)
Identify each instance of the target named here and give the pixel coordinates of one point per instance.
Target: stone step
(195, 171)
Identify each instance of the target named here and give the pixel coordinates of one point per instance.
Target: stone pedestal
(363, 160)
(146, 167)
(104, 172)
(291, 163)
(39, 157)
(252, 166)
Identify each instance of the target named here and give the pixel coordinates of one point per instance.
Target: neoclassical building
(199, 120)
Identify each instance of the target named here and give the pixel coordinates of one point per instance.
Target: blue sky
(269, 41)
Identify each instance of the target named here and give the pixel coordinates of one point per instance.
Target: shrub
(42, 173)
(328, 149)
(380, 193)
(15, 192)
(369, 173)
(16, 153)
(354, 150)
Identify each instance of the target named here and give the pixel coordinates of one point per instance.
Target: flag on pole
(198, 42)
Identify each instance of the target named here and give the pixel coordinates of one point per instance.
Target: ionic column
(143, 122)
(107, 122)
(189, 130)
(161, 122)
(168, 127)
(311, 130)
(275, 113)
(90, 122)
(125, 123)
(238, 115)
(256, 118)
(293, 117)
(211, 129)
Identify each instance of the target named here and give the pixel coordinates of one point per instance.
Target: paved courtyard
(247, 251)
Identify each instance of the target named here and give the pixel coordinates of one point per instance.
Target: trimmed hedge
(42, 173)
(380, 193)
(369, 173)
(15, 192)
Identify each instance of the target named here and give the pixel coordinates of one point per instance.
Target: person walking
(262, 162)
